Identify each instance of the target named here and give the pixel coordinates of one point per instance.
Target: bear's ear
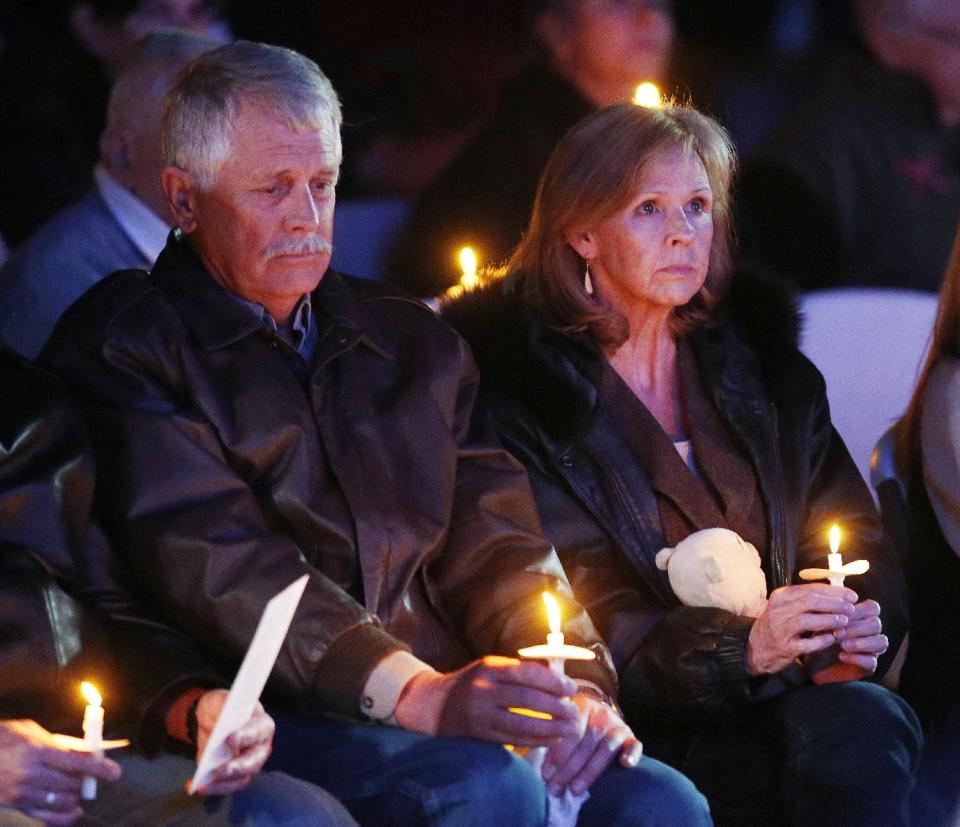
(711, 569)
(663, 557)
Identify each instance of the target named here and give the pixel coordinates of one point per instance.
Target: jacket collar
(216, 322)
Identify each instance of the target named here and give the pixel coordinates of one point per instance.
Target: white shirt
(143, 226)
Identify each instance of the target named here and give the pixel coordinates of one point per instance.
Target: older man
(122, 222)
(259, 417)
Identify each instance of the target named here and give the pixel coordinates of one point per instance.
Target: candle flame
(468, 264)
(90, 693)
(553, 612)
(647, 94)
(834, 538)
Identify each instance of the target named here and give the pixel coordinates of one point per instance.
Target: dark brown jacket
(55, 568)
(209, 447)
(676, 663)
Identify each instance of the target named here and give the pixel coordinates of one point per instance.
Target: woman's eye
(647, 208)
(698, 205)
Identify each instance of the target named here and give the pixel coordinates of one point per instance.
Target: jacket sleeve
(192, 531)
(496, 539)
(50, 542)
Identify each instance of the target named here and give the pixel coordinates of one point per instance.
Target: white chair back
(869, 344)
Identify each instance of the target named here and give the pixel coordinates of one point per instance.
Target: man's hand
(475, 702)
(41, 778)
(796, 621)
(577, 763)
(250, 745)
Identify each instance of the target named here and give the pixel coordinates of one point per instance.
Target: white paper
(250, 680)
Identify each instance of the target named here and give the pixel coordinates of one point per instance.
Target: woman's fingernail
(577, 787)
(548, 772)
(555, 790)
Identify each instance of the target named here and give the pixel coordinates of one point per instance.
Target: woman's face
(653, 254)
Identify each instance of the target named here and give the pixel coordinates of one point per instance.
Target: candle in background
(834, 558)
(647, 94)
(92, 734)
(468, 266)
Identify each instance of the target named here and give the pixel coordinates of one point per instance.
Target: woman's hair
(946, 342)
(594, 172)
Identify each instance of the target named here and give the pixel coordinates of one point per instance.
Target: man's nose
(303, 213)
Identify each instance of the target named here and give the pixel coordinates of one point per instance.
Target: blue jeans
(388, 776)
(840, 754)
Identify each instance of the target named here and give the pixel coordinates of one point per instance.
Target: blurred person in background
(860, 185)
(590, 53)
(58, 63)
(928, 460)
(123, 220)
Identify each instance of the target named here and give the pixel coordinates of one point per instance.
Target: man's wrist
(382, 691)
(177, 715)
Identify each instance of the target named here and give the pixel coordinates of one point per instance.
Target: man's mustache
(309, 246)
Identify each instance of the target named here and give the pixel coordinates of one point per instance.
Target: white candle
(834, 558)
(92, 734)
(555, 635)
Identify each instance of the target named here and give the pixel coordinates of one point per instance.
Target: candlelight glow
(553, 612)
(834, 538)
(647, 94)
(530, 713)
(90, 694)
(468, 265)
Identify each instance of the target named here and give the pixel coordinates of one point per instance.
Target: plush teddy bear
(715, 567)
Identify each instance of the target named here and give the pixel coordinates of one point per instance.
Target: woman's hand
(575, 763)
(796, 621)
(250, 745)
(41, 778)
(862, 640)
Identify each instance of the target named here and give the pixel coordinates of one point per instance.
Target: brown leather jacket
(676, 663)
(55, 568)
(208, 444)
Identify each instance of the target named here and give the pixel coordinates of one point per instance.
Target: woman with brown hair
(643, 416)
(928, 460)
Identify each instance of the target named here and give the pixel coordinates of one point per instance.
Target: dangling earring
(587, 281)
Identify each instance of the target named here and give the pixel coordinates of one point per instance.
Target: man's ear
(585, 243)
(181, 190)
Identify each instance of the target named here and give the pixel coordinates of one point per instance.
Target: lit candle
(555, 635)
(468, 266)
(647, 94)
(555, 652)
(836, 569)
(834, 558)
(92, 734)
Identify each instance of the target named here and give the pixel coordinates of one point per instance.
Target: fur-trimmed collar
(520, 357)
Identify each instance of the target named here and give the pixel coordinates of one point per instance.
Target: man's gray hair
(204, 102)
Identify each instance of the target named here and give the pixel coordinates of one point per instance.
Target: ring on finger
(50, 798)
